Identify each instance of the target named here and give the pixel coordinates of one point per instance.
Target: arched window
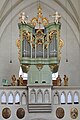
(3, 98)
(46, 96)
(63, 98)
(23, 99)
(69, 98)
(56, 98)
(32, 96)
(76, 98)
(10, 98)
(39, 96)
(17, 98)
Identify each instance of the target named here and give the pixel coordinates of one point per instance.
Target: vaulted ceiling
(67, 8)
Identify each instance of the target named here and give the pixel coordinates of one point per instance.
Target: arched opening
(39, 96)
(69, 98)
(33, 96)
(23, 99)
(3, 98)
(17, 98)
(76, 98)
(46, 96)
(56, 98)
(63, 98)
(10, 98)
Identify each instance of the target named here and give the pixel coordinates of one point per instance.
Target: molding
(13, 87)
(43, 86)
(66, 87)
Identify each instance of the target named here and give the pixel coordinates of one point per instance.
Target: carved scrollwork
(39, 66)
(39, 37)
(54, 68)
(25, 68)
(45, 21)
(26, 35)
(51, 34)
(34, 21)
(61, 43)
(18, 43)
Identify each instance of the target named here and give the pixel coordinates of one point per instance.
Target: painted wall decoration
(60, 112)
(74, 113)
(20, 113)
(6, 113)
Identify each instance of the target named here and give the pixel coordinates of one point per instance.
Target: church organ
(40, 41)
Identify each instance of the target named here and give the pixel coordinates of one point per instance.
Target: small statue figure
(56, 17)
(58, 80)
(23, 18)
(20, 80)
(13, 80)
(65, 80)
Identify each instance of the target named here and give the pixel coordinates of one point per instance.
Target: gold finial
(39, 11)
(40, 20)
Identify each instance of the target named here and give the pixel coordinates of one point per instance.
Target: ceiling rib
(3, 7)
(74, 10)
(68, 12)
(7, 13)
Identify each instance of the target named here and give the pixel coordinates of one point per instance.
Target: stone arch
(76, 97)
(46, 96)
(39, 96)
(56, 99)
(33, 96)
(63, 98)
(23, 98)
(10, 98)
(17, 98)
(3, 98)
(69, 98)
